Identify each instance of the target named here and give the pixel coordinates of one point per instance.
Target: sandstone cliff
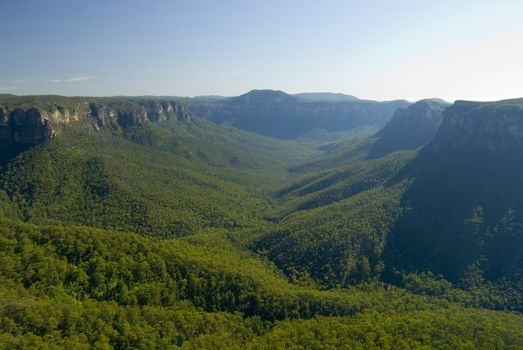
(30, 121)
(491, 126)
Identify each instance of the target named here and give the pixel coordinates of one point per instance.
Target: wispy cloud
(28, 80)
(220, 74)
(72, 79)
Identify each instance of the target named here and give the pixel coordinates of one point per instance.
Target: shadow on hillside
(457, 205)
(9, 151)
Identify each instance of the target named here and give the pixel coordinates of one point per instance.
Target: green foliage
(332, 225)
(325, 187)
(134, 270)
(167, 180)
(339, 244)
(442, 329)
(465, 210)
(80, 288)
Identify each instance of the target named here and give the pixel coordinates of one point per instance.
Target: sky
(374, 49)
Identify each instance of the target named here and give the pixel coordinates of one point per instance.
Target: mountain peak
(439, 100)
(256, 98)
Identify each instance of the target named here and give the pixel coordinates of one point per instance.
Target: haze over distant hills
(325, 96)
(277, 114)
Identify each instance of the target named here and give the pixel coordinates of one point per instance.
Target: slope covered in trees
(466, 197)
(166, 178)
(80, 288)
(332, 226)
(451, 209)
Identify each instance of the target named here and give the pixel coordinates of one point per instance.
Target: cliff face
(492, 126)
(138, 114)
(24, 126)
(30, 126)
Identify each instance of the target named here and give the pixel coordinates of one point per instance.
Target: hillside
(333, 225)
(409, 129)
(452, 209)
(143, 166)
(465, 199)
(79, 288)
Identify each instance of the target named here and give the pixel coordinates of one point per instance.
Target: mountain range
(210, 222)
(277, 114)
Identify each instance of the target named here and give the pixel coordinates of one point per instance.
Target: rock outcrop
(136, 114)
(491, 126)
(24, 126)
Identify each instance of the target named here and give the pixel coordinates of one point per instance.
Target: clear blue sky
(373, 49)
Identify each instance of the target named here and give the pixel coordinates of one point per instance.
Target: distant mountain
(272, 100)
(409, 128)
(325, 97)
(277, 114)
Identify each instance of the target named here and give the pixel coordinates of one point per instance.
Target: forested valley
(153, 223)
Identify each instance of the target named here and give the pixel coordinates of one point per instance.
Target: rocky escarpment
(409, 128)
(491, 126)
(136, 114)
(24, 125)
(20, 126)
